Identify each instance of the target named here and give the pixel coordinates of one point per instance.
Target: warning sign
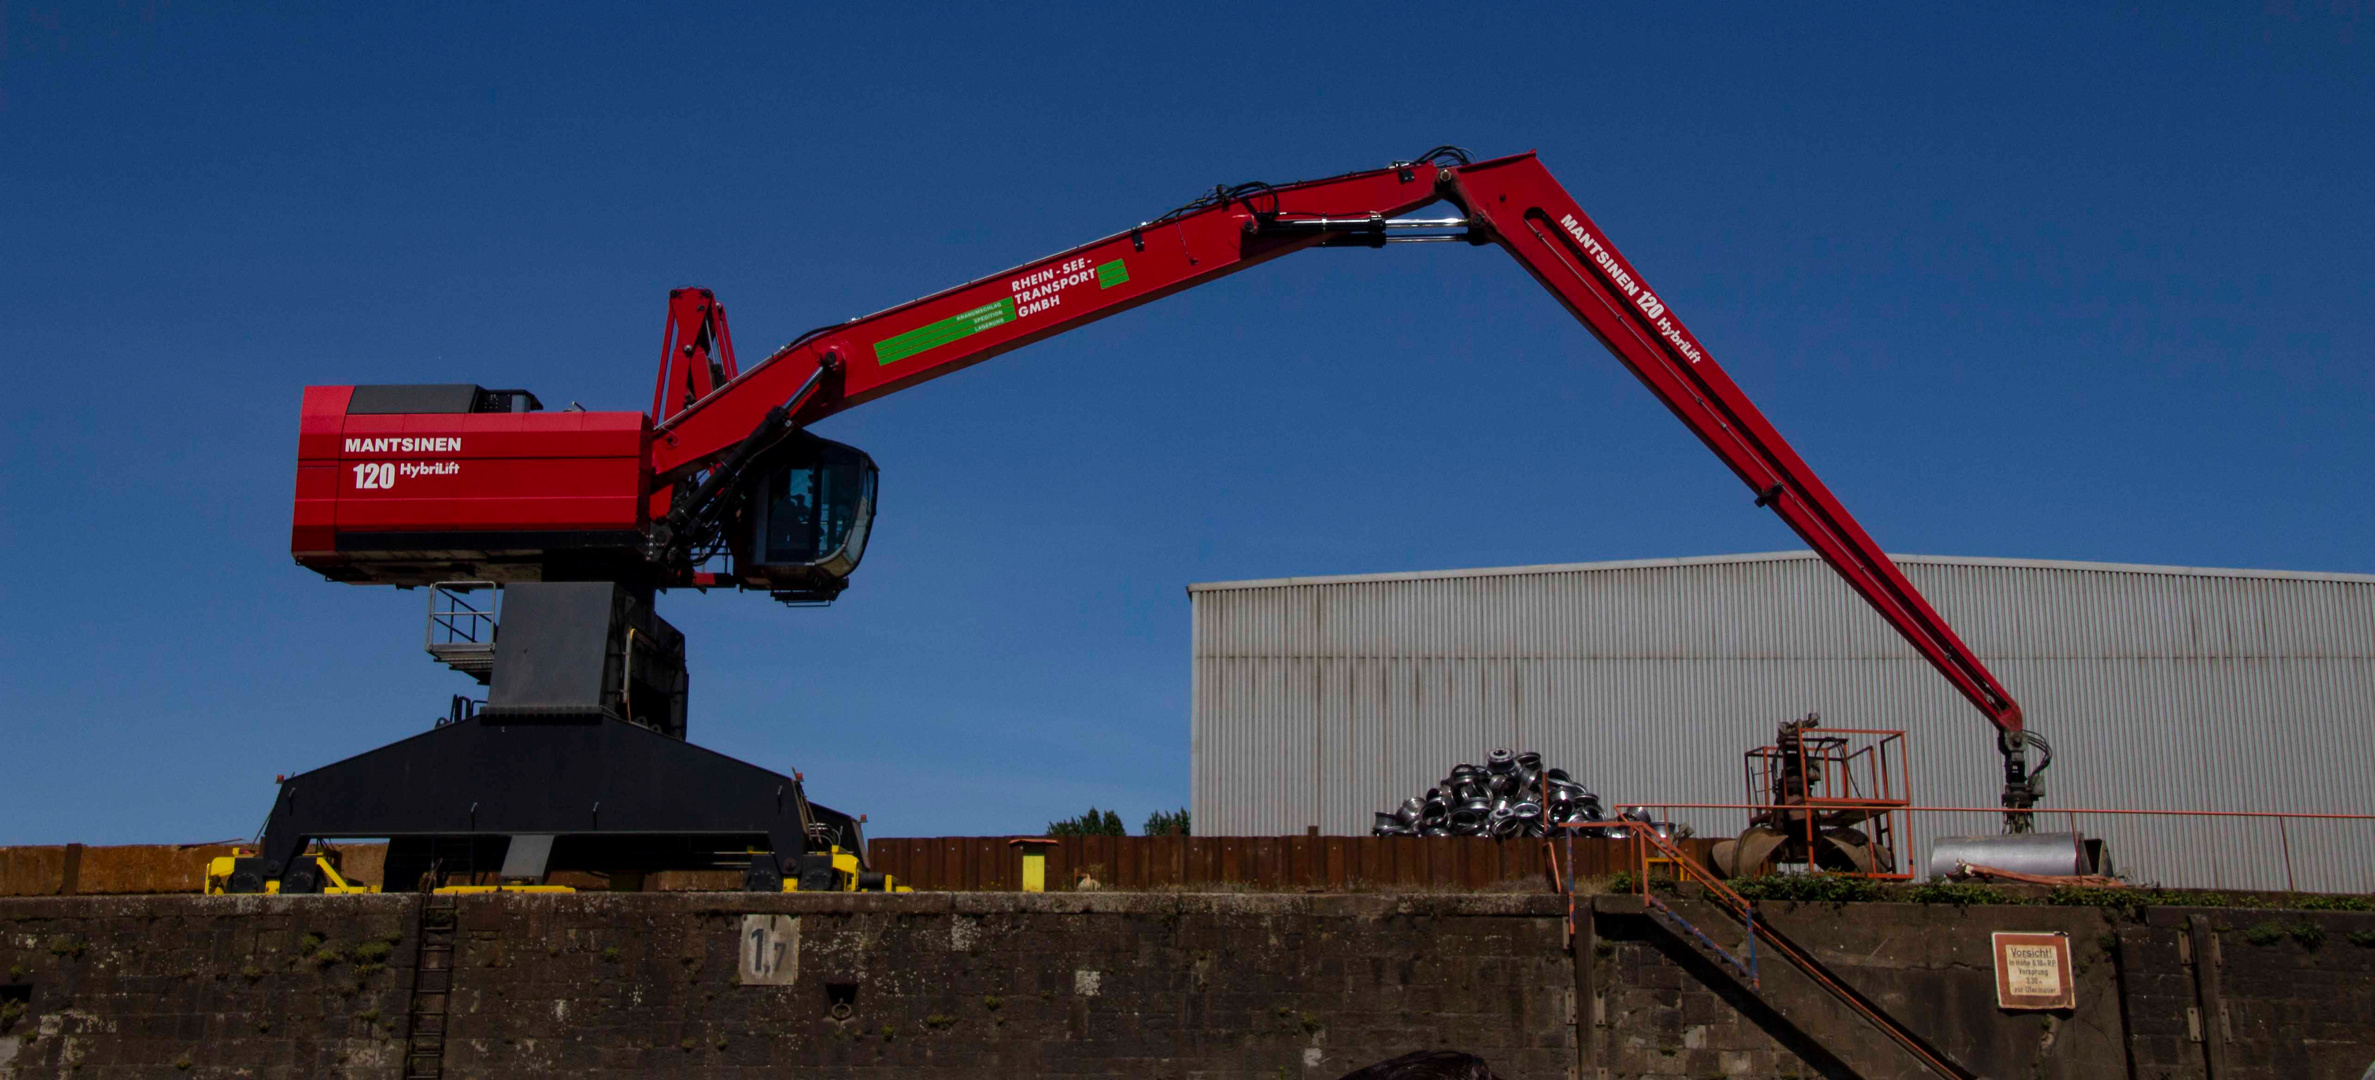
(2033, 972)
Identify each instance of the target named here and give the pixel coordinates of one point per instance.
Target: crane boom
(1511, 201)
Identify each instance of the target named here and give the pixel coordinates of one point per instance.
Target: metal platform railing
(462, 626)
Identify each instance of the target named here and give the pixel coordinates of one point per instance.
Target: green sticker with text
(954, 328)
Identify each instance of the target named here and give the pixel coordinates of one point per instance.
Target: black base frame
(581, 778)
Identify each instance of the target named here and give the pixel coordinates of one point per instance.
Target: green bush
(1808, 888)
(2129, 903)
(1174, 823)
(1958, 893)
(2265, 934)
(1094, 823)
(2117, 903)
(2329, 902)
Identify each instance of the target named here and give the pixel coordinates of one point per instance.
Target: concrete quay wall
(1248, 985)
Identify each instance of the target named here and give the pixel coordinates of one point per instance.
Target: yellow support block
(218, 874)
(846, 868)
(218, 878)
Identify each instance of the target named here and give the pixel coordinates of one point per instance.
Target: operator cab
(806, 520)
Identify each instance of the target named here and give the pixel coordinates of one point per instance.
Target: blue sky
(2052, 281)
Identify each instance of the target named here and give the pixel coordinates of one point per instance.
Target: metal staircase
(1803, 993)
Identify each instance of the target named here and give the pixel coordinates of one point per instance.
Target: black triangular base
(570, 778)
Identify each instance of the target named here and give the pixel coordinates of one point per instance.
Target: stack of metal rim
(1666, 830)
(1510, 795)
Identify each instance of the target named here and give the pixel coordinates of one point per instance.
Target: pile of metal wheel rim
(1510, 795)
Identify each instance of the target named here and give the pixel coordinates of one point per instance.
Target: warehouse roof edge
(1775, 556)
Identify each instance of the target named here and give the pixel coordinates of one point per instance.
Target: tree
(1094, 823)
(1160, 823)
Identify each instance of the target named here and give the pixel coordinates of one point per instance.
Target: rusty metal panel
(33, 870)
(76, 869)
(1319, 700)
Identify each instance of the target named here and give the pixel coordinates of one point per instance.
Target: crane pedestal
(578, 760)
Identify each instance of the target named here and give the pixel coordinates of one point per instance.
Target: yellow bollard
(1034, 850)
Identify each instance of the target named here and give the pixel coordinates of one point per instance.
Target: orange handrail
(2301, 814)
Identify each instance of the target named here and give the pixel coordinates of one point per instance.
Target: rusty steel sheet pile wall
(1253, 863)
(958, 863)
(1319, 700)
(79, 869)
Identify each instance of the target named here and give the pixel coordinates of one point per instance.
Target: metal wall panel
(1319, 700)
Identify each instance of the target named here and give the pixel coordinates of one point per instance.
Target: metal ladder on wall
(432, 988)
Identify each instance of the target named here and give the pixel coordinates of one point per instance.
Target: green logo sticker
(954, 328)
(1033, 294)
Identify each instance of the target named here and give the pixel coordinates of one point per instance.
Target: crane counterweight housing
(721, 485)
(459, 485)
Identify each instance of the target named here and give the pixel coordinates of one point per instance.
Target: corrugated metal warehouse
(1319, 700)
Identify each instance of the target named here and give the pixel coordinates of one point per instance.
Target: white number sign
(770, 950)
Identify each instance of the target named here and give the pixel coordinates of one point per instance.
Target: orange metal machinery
(1831, 799)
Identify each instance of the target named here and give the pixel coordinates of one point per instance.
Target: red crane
(720, 484)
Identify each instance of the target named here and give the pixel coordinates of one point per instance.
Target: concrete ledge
(641, 905)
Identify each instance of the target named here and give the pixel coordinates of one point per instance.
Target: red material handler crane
(720, 485)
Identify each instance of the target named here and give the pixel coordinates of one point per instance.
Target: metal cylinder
(2054, 853)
